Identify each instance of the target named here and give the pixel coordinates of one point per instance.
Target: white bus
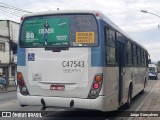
(78, 59)
(153, 72)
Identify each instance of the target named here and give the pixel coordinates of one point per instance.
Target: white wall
(4, 28)
(6, 31)
(14, 31)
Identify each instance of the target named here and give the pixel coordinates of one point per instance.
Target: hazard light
(98, 78)
(19, 76)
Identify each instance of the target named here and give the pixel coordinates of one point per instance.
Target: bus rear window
(59, 31)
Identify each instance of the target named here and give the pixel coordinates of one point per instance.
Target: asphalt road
(8, 102)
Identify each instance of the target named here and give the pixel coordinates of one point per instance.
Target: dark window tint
(2, 47)
(134, 55)
(59, 30)
(110, 46)
(129, 53)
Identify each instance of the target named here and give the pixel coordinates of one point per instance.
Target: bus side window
(129, 53)
(110, 46)
(134, 55)
(143, 58)
(139, 56)
(146, 59)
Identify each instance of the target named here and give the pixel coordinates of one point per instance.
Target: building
(8, 49)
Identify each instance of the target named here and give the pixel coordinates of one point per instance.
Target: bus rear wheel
(128, 104)
(143, 88)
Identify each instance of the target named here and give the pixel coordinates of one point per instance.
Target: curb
(9, 90)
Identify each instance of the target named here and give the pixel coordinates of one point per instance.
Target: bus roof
(99, 16)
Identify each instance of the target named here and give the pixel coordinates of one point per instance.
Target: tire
(143, 88)
(129, 101)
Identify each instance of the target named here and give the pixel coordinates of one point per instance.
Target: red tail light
(21, 83)
(96, 85)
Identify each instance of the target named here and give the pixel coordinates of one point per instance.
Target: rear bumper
(95, 104)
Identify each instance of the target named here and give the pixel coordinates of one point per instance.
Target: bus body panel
(110, 86)
(59, 69)
(138, 76)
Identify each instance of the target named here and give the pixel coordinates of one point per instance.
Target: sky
(141, 27)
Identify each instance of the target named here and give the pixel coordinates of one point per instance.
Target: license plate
(57, 87)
